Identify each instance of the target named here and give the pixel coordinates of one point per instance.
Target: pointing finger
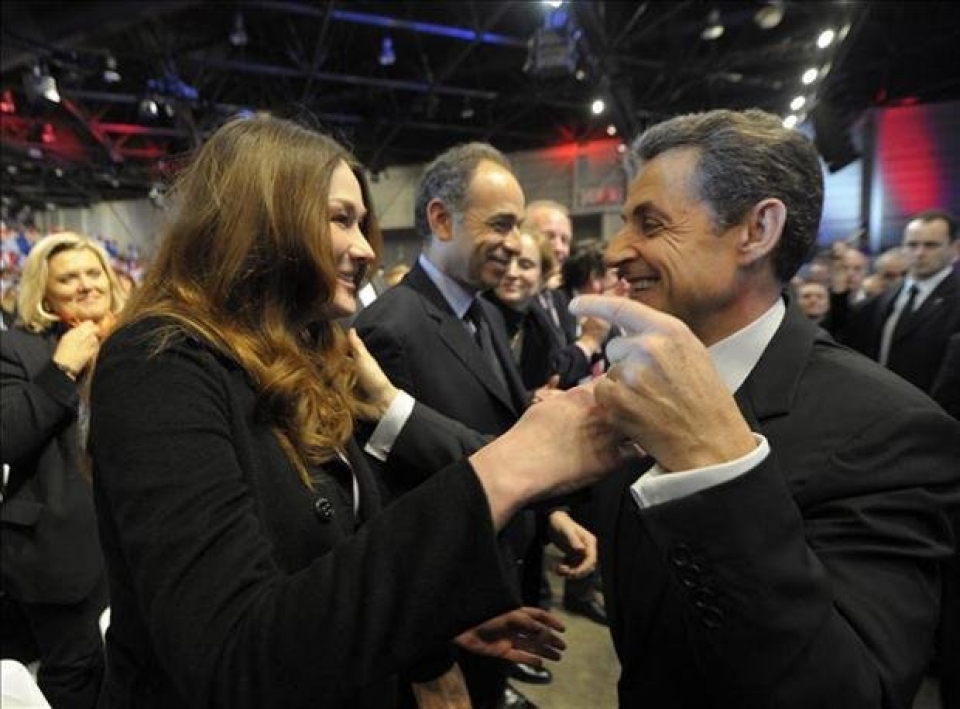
(630, 316)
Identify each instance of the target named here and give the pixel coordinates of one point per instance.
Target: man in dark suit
(442, 344)
(552, 219)
(906, 329)
(782, 545)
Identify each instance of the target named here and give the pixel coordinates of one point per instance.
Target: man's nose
(620, 250)
(512, 241)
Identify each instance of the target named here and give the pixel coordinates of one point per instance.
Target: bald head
(552, 220)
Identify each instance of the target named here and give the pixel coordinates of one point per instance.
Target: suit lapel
(939, 299)
(771, 387)
(455, 336)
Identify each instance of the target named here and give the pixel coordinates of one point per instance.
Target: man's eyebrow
(639, 211)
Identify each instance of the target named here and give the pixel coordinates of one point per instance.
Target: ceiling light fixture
(611, 130)
(387, 56)
(714, 29)
(809, 76)
(238, 35)
(110, 73)
(149, 109)
(38, 83)
(790, 121)
(770, 15)
(555, 4)
(826, 38)
(598, 106)
(797, 103)
(7, 104)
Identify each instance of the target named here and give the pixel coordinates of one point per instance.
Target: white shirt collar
(457, 297)
(736, 355)
(927, 285)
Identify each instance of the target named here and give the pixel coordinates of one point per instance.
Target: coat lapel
(455, 337)
(772, 386)
(939, 299)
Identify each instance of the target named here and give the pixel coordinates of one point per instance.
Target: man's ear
(764, 228)
(440, 219)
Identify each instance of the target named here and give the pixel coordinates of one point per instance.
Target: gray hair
(745, 157)
(448, 177)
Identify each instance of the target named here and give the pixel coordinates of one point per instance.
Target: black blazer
(426, 350)
(50, 549)
(917, 352)
(232, 584)
(544, 351)
(810, 581)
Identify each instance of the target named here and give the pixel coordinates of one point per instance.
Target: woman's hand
(77, 347)
(375, 388)
(523, 635)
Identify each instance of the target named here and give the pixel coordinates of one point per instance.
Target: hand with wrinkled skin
(448, 691)
(557, 446)
(578, 544)
(662, 390)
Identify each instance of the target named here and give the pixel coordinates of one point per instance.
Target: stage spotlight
(38, 83)
(714, 29)
(387, 56)
(238, 35)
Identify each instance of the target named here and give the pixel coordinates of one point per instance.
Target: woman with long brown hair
(249, 560)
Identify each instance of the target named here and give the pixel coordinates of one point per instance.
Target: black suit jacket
(544, 351)
(427, 351)
(50, 549)
(810, 581)
(916, 354)
(232, 583)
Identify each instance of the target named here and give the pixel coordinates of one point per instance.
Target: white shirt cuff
(389, 427)
(656, 486)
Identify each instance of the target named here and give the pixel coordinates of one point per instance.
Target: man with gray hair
(781, 546)
(437, 340)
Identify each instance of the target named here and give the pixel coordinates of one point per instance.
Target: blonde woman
(52, 567)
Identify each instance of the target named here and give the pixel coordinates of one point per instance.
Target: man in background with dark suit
(437, 340)
(907, 329)
(782, 546)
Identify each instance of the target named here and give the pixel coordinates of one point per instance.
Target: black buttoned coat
(232, 583)
(810, 581)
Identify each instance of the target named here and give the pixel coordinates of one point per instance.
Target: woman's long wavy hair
(246, 263)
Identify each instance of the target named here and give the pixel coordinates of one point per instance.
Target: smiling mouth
(353, 279)
(641, 284)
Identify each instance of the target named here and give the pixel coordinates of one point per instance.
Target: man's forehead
(668, 172)
(932, 228)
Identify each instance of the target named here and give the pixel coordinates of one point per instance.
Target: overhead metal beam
(349, 79)
(365, 18)
(77, 111)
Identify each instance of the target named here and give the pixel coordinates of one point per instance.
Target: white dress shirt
(734, 357)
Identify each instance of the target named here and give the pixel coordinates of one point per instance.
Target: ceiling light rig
(770, 15)
(825, 39)
(714, 29)
(388, 57)
(238, 34)
(39, 84)
(598, 106)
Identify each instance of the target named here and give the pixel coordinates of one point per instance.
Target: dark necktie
(484, 340)
(906, 313)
